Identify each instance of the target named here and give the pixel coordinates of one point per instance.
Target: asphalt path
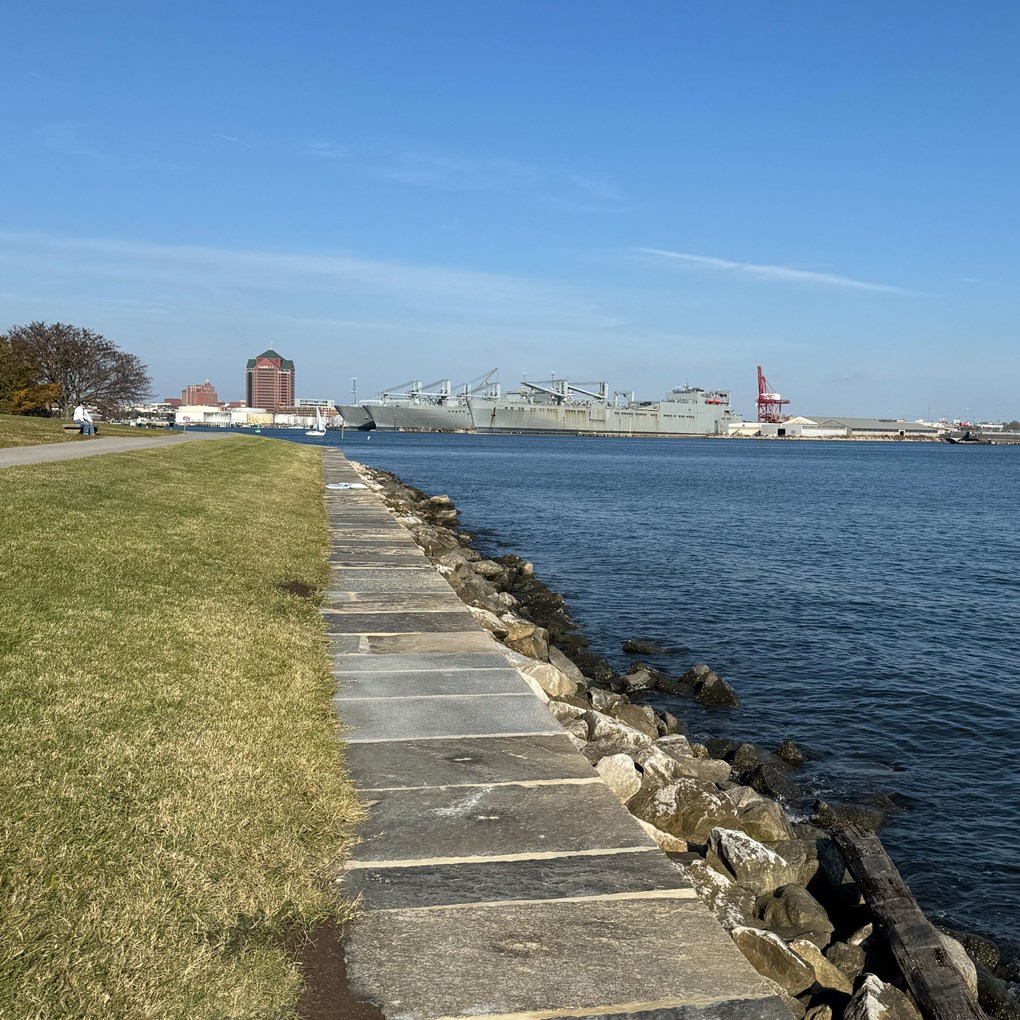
(16, 456)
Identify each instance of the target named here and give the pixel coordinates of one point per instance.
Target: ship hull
(416, 417)
(355, 416)
(663, 419)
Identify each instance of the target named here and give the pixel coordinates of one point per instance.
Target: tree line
(48, 368)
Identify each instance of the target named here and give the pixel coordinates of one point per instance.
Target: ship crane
(770, 403)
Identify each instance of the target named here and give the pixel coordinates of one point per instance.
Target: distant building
(269, 381)
(200, 394)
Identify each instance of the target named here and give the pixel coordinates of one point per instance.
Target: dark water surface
(862, 598)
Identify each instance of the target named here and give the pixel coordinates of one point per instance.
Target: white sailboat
(320, 427)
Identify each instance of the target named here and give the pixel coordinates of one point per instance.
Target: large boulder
(549, 678)
(490, 621)
(641, 646)
(874, 998)
(769, 780)
(748, 862)
(732, 904)
(559, 660)
(526, 637)
(961, 961)
(670, 724)
(848, 958)
(774, 959)
(710, 688)
(610, 736)
(792, 912)
(565, 712)
(640, 679)
(620, 774)
(641, 717)
(765, 820)
(826, 974)
(676, 745)
(687, 808)
(789, 753)
(667, 843)
(488, 569)
(605, 701)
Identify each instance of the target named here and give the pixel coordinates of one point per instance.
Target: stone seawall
(778, 885)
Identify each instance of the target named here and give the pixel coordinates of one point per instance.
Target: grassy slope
(172, 798)
(22, 430)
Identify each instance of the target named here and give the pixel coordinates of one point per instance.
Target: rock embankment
(778, 885)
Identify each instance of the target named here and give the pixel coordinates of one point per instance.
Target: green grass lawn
(173, 803)
(22, 430)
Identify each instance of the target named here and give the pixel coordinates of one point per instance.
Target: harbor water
(861, 597)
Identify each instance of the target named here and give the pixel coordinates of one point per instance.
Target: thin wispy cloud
(190, 272)
(426, 168)
(234, 140)
(760, 271)
(325, 150)
(66, 138)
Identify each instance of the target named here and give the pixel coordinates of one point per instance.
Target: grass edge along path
(173, 804)
(26, 430)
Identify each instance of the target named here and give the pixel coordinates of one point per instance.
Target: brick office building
(269, 381)
(200, 393)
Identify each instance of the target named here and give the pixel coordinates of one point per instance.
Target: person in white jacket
(84, 420)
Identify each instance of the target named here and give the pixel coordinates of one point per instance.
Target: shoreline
(738, 790)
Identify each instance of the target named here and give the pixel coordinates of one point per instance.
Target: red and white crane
(770, 403)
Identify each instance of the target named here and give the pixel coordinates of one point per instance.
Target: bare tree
(85, 366)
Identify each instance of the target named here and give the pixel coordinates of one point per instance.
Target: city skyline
(650, 197)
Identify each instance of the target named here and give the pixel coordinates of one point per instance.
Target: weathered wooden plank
(937, 985)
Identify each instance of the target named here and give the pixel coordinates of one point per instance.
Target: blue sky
(651, 193)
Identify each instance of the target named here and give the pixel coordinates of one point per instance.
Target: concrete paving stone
(398, 541)
(375, 560)
(392, 579)
(456, 641)
(493, 821)
(399, 623)
(592, 955)
(380, 684)
(465, 761)
(558, 878)
(358, 663)
(418, 718)
(387, 602)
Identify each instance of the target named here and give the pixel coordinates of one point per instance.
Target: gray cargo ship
(557, 406)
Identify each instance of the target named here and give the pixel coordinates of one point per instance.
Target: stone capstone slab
(392, 579)
(494, 821)
(460, 761)
(385, 684)
(524, 958)
(411, 661)
(613, 874)
(422, 717)
(399, 623)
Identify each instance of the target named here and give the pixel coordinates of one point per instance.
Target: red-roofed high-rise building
(269, 381)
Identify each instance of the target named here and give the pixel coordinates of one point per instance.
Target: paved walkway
(15, 456)
(499, 876)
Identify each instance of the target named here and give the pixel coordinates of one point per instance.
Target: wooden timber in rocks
(921, 953)
(498, 875)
